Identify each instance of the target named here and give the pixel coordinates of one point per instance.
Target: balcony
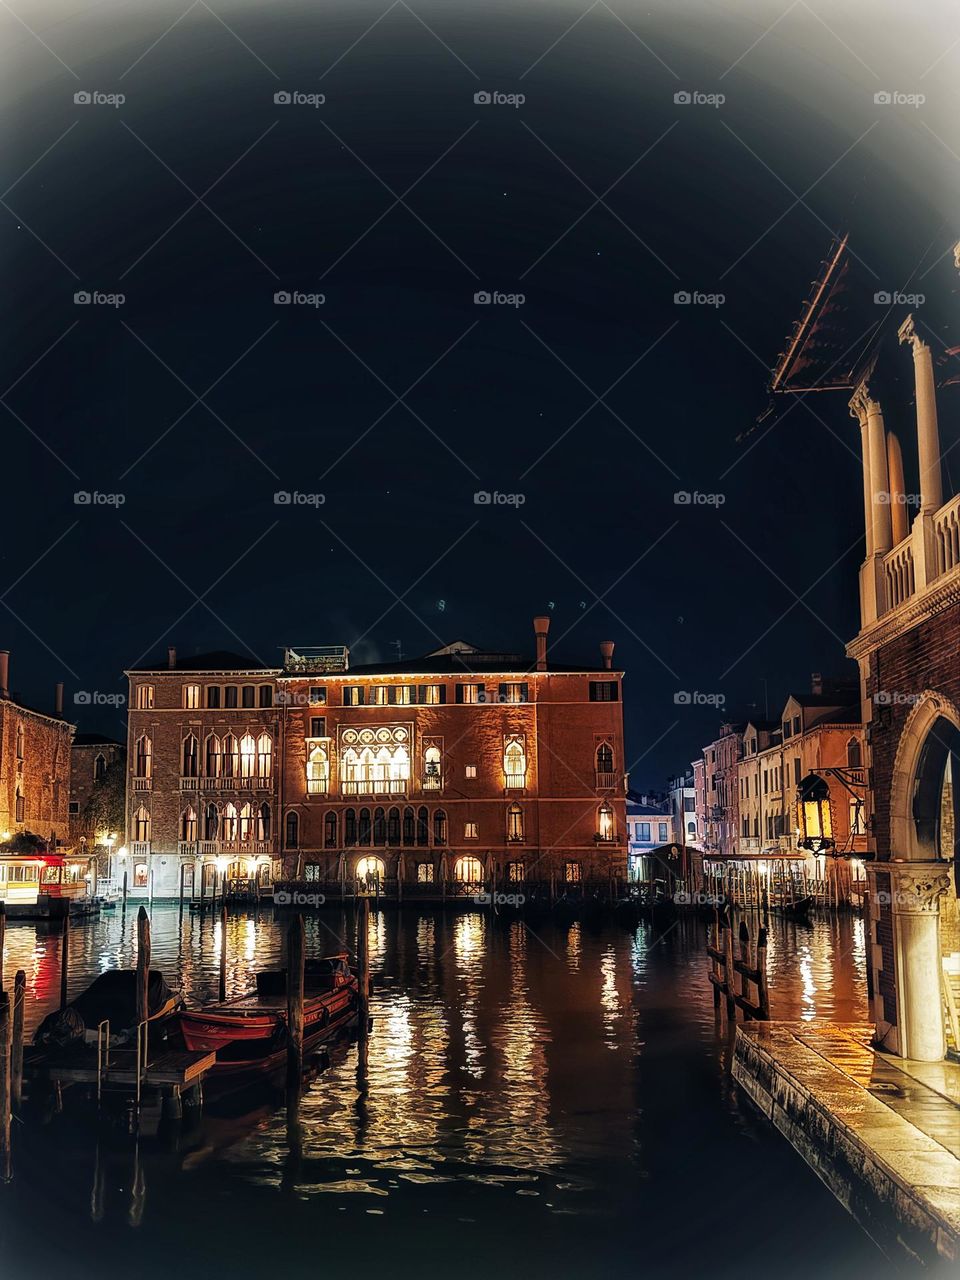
(606, 781)
(431, 782)
(189, 784)
(221, 782)
(232, 848)
(142, 784)
(373, 787)
(898, 574)
(140, 848)
(516, 781)
(946, 524)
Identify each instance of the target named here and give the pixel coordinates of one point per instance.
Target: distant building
(459, 768)
(91, 755)
(649, 827)
(34, 766)
(681, 796)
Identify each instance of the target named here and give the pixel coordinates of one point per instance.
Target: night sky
(598, 199)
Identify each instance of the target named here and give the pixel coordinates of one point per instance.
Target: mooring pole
(729, 971)
(745, 961)
(64, 957)
(3, 930)
(295, 961)
(124, 887)
(363, 981)
(16, 1051)
(6, 1169)
(143, 965)
(763, 996)
(223, 952)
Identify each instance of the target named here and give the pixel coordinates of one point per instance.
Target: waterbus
(43, 883)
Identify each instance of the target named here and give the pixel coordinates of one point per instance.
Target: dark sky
(598, 199)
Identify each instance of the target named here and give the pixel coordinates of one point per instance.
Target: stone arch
(906, 841)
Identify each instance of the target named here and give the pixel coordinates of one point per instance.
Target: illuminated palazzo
(901, 367)
(455, 770)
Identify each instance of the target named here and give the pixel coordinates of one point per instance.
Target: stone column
(867, 496)
(928, 435)
(868, 413)
(898, 509)
(916, 888)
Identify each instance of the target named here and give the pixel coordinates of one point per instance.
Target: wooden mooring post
(6, 1169)
(724, 969)
(223, 951)
(143, 966)
(64, 958)
(295, 963)
(363, 981)
(16, 1049)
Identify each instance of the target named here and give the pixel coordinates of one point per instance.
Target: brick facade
(89, 755)
(34, 771)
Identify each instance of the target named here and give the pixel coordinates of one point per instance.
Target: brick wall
(41, 775)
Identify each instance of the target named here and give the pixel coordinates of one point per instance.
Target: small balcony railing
(516, 781)
(431, 782)
(188, 783)
(142, 784)
(226, 848)
(606, 781)
(140, 848)
(374, 787)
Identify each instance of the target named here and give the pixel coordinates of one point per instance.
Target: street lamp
(814, 814)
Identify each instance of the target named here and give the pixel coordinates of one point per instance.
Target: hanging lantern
(815, 820)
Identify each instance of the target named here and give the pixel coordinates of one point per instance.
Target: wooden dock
(172, 1069)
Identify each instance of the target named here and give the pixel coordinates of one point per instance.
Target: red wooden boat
(245, 1062)
(330, 990)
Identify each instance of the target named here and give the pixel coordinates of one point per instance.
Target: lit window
(604, 759)
(515, 872)
(144, 697)
(514, 822)
(470, 831)
(468, 871)
(471, 693)
(425, 873)
(432, 694)
(263, 822)
(515, 761)
(264, 755)
(431, 768)
(141, 825)
(605, 825)
(353, 695)
(318, 771)
(248, 756)
(402, 694)
(470, 771)
(212, 756)
(513, 693)
(143, 768)
(245, 822)
(230, 757)
(188, 825)
(367, 772)
(857, 824)
(571, 872)
(191, 696)
(141, 876)
(379, 692)
(370, 870)
(318, 695)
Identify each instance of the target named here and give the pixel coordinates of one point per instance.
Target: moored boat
(330, 989)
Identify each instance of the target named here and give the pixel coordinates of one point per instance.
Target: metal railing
(103, 1053)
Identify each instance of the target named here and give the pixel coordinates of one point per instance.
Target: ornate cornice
(916, 887)
(908, 333)
(943, 594)
(862, 404)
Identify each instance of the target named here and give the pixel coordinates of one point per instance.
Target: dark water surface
(549, 1103)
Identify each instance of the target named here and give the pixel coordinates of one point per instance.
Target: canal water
(550, 1101)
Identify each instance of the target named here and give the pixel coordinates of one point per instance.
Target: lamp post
(814, 814)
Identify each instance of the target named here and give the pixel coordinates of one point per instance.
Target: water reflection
(525, 1075)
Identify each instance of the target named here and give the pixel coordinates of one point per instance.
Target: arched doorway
(468, 871)
(370, 874)
(924, 879)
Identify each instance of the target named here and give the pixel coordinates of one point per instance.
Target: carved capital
(956, 255)
(908, 333)
(916, 889)
(862, 404)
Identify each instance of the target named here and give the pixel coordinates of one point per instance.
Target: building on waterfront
(458, 768)
(650, 827)
(682, 799)
(721, 804)
(901, 380)
(34, 766)
(92, 757)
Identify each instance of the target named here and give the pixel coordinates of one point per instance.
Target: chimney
(58, 699)
(171, 657)
(606, 653)
(540, 628)
(4, 673)
(816, 682)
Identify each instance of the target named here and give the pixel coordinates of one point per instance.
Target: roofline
(41, 715)
(198, 671)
